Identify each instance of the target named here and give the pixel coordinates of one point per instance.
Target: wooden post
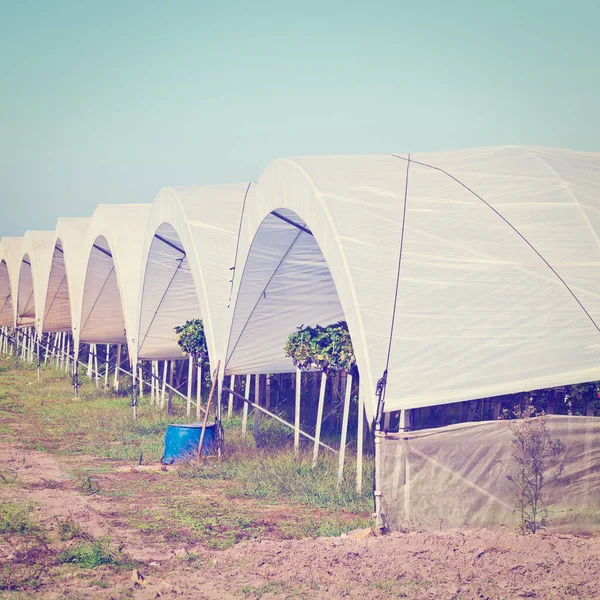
(319, 419)
(210, 395)
(360, 434)
(348, 390)
(230, 405)
(117, 366)
(188, 408)
(298, 383)
(106, 365)
(245, 412)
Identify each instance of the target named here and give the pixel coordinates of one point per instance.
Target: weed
(14, 519)
(30, 554)
(91, 554)
(533, 448)
(69, 529)
(270, 587)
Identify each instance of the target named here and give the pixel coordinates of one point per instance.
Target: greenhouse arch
(112, 276)
(33, 273)
(64, 286)
(465, 274)
(188, 259)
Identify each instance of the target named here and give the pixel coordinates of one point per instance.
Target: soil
(466, 564)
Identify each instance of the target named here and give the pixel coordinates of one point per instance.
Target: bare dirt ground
(488, 563)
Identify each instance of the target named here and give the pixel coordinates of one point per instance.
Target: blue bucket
(181, 441)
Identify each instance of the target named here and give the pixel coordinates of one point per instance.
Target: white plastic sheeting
(34, 271)
(64, 287)
(10, 255)
(112, 279)
(499, 287)
(193, 233)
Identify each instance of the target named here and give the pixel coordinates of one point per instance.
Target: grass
(36, 551)
(253, 491)
(89, 554)
(101, 424)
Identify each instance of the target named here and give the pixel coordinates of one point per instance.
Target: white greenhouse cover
(34, 271)
(10, 256)
(64, 287)
(112, 278)
(192, 241)
(499, 286)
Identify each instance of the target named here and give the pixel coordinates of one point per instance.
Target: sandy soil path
(471, 564)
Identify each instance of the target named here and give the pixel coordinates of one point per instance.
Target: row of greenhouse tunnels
(399, 307)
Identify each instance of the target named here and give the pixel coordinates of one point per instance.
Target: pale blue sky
(107, 101)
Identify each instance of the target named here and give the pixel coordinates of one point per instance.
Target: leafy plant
(533, 450)
(327, 349)
(191, 340)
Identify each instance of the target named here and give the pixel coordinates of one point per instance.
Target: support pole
(170, 394)
(319, 419)
(346, 414)
(188, 407)
(39, 357)
(62, 350)
(164, 384)
(68, 355)
(48, 344)
(90, 359)
(256, 418)
(198, 389)
(106, 365)
(297, 411)
(245, 411)
(360, 434)
(153, 376)
(134, 400)
(96, 365)
(230, 405)
(117, 368)
(277, 418)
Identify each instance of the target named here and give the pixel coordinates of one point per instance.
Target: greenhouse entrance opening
(169, 296)
(102, 318)
(57, 316)
(26, 296)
